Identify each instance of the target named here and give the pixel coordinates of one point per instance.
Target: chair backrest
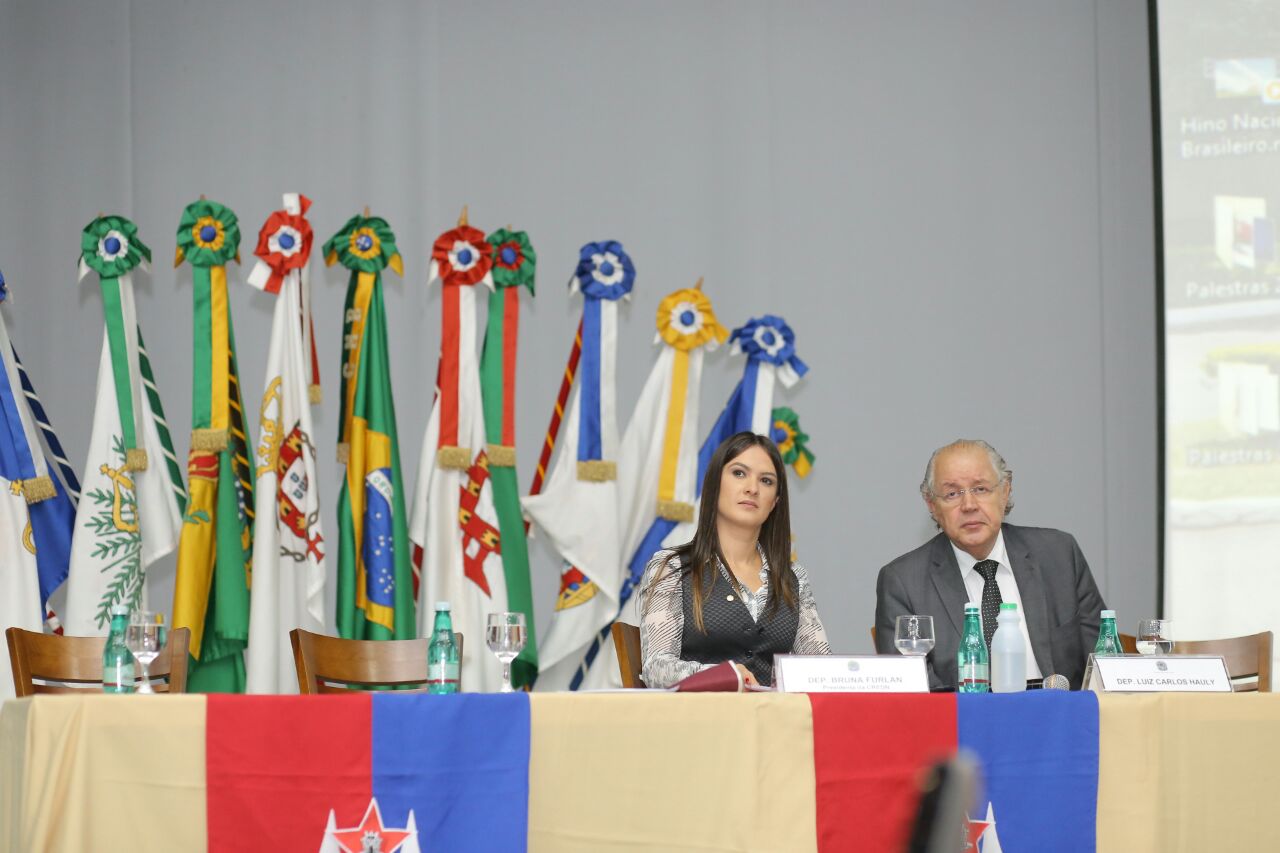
(38, 658)
(1129, 644)
(626, 641)
(333, 665)
(1248, 658)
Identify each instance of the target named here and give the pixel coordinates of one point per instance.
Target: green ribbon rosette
(514, 259)
(364, 244)
(208, 235)
(110, 247)
(792, 441)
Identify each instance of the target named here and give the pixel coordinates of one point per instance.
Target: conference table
(631, 770)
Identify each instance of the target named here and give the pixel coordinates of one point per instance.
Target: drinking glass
(1155, 636)
(144, 638)
(913, 635)
(505, 634)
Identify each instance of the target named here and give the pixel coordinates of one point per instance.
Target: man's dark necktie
(990, 597)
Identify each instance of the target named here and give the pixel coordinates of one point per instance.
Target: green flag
(211, 591)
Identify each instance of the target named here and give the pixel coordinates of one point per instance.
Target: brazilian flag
(375, 575)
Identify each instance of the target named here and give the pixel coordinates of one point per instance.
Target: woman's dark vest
(731, 632)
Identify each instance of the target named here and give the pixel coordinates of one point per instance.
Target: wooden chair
(333, 665)
(1248, 659)
(1129, 644)
(626, 641)
(38, 659)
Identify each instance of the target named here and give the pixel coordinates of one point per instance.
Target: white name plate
(1174, 674)
(850, 674)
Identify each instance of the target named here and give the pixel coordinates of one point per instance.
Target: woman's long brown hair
(701, 556)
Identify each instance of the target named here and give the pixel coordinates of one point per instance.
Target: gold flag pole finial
(202, 197)
(462, 217)
(366, 211)
(698, 286)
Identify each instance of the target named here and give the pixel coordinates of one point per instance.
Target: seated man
(979, 558)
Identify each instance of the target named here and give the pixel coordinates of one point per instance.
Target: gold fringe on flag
(501, 455)
(675, 510)
(454, 457)
(344, 453)
(315, 395)
(597, 471)
(209, 439)
(135, 459)
(38, 489)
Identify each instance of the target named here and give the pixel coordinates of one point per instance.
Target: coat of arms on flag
(578, 507)
(133, 499)
(375, 581)
(370, 835)
(288, 540)
(37, 500)
(454, 520)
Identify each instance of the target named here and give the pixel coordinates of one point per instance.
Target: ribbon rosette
(513, 260)
(284, 245)
(791, 440)
(364, 244)
(605, 271)
(686, 321)
(208, 235)
(462, 256)
(110, 247)
(770, 339)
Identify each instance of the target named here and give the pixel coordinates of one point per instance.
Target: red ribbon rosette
(462, 256)
(284, 245)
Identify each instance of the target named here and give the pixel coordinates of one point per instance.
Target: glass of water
(145, 638)
(505, 635)
(913, 635)
(1155, 636)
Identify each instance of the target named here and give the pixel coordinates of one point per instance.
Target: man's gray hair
(1003, 472)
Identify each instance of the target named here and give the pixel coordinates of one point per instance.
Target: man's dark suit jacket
(1060, 601)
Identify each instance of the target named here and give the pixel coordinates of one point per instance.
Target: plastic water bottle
(117, 660)
(1108, 644)
(442, 654)
(971, 659)
(1008, 652)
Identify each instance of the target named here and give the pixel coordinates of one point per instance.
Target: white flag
(130, 511)
(578, 507)
(288, 540)
(453, 520)
(658, 459)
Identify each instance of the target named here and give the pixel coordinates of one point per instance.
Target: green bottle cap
(1009, 605)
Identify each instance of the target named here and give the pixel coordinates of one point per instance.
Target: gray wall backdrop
(950, 202)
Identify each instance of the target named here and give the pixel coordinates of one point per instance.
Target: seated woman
(732, 594)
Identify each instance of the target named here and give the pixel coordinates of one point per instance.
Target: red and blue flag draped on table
(419, 772)
(1038, 753)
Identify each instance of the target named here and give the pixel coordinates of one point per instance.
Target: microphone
(1054, 681)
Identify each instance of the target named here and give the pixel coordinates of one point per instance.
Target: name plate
(850, 674)
(1142, 674)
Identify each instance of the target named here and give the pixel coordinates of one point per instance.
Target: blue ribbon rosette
(771, 340)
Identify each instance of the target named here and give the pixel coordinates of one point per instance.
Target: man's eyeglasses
(953, 496)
